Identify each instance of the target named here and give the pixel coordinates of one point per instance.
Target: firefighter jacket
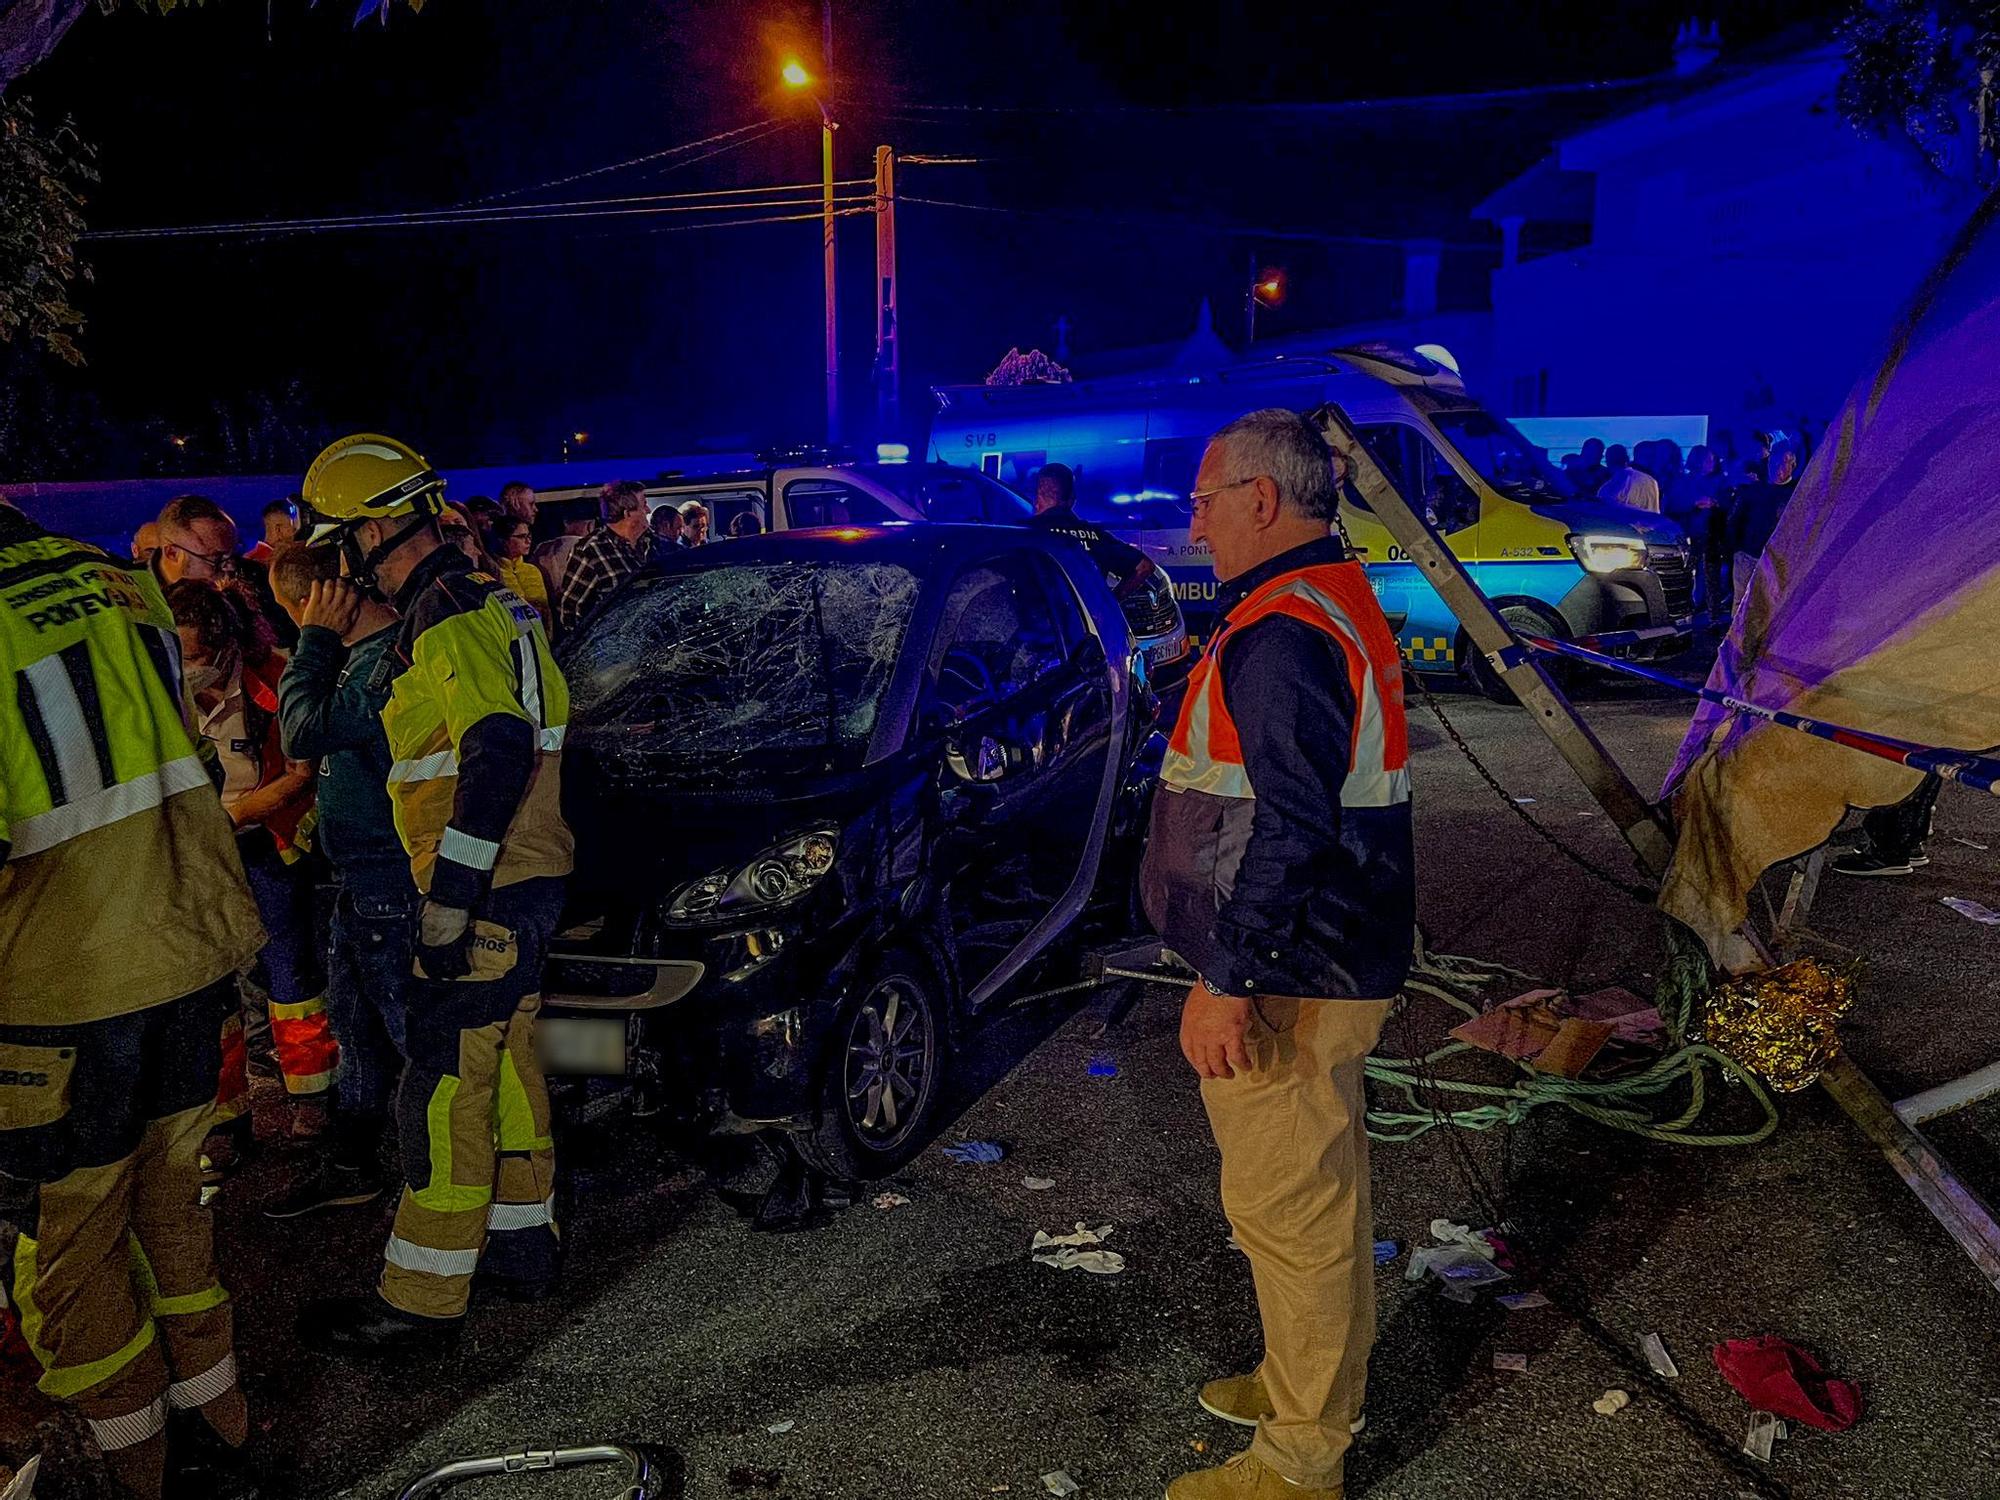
(120, 888)
(475, 725)
(1280, 860)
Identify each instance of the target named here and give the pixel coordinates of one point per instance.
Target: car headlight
(780, 874)
(1608, 554)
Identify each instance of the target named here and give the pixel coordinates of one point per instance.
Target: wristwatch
(1209, 985)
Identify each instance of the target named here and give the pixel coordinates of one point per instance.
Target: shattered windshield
(704, 668)
(1504, 458)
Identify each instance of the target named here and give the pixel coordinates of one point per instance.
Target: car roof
(917, 545)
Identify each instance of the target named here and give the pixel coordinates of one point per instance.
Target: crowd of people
(1729, 503)
(361, 701)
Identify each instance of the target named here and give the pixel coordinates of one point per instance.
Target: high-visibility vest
(121, 887)
(472, 648)
(1205, 753)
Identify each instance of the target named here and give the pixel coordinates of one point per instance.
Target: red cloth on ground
(1777, 1376)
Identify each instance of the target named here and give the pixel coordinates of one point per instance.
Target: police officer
(123, 919)
(1124, 566)
(475, 724)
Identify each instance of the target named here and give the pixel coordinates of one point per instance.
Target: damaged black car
(838, 796)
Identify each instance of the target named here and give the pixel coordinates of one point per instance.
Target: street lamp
(797, 77)
(1267, 289)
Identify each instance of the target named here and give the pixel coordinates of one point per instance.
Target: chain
(1644, 895)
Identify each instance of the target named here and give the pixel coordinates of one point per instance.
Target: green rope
(1632, 1103)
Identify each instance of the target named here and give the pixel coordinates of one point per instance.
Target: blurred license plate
(588, 1044)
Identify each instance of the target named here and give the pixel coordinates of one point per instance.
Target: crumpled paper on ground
(1069, 1252)
(1775, 1375)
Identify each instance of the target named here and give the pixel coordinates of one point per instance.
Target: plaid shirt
(601, 562)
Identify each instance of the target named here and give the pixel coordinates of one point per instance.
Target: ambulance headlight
(777, 876)
(1607, 554)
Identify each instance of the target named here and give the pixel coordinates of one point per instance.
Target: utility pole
(826, 169)
(888, 335)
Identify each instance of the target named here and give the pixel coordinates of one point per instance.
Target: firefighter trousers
(100, 1169)
(473, 1115)
(1295, 1188)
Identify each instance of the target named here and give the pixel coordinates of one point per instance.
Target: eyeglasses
(1198, 499)
(225, 563)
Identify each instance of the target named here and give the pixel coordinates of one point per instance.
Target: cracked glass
(706, 668)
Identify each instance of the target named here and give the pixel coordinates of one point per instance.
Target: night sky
(1145, 154)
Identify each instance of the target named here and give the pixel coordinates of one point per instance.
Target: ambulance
(1556, 563)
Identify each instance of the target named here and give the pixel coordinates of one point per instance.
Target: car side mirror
(976, 758)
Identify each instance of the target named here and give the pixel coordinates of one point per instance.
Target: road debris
(1462, 1269)
(976, 1153)
(1038, 1184)
(1103, 1067)
(890, 1200)
(1611, 1402)
(1522, 1301)
(1968, 843)
(1385, 1251)
(1777, 1376)
(1514, 1363)
(779, 1429)
(1966, 907)
(1765, 1429)
(1059, 1483)
(1655, 1350)
(1069, 1252)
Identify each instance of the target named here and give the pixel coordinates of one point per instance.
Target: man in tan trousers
(1279, 865)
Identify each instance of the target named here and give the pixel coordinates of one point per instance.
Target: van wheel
(884, 1072)
(1523, 619)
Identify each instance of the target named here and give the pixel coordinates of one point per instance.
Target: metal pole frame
(1955, 1206)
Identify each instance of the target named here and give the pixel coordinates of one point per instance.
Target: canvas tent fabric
(1876, 606)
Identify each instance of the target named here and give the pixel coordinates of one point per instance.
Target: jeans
(368, 982)
(1899, 830)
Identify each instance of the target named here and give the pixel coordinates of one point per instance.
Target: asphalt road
(918, 1352)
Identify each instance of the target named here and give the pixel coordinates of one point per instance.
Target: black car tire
(1528, 619)
(897, 1000)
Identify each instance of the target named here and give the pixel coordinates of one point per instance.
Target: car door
(1025, 694)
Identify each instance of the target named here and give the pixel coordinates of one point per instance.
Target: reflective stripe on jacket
(1280, 855)
(475, 724)
(121, 888)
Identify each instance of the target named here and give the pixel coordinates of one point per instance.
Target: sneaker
(1241, 1399)
(199, 1462)
(332, 1186)
(1245, 1477)
(1868, 862)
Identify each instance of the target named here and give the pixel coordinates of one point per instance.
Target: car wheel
(884, 1072)
(1524, 619)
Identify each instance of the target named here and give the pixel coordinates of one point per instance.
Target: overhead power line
(761, 128)
(523, 213)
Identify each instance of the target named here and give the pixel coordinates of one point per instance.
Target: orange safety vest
(1205, 753)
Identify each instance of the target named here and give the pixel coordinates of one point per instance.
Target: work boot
(310, 1120)
(1242, 1399)
(1244, 1477)
(332, 1184)
(368, 1325)
(199, 1462)
(1869, 862)
(513, 1288)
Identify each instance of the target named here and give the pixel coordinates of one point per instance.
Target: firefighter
(124, 916)
(475, 723)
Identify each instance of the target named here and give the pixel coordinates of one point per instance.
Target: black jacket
(1293, 894)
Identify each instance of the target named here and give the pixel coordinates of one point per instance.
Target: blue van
(1554, 562)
